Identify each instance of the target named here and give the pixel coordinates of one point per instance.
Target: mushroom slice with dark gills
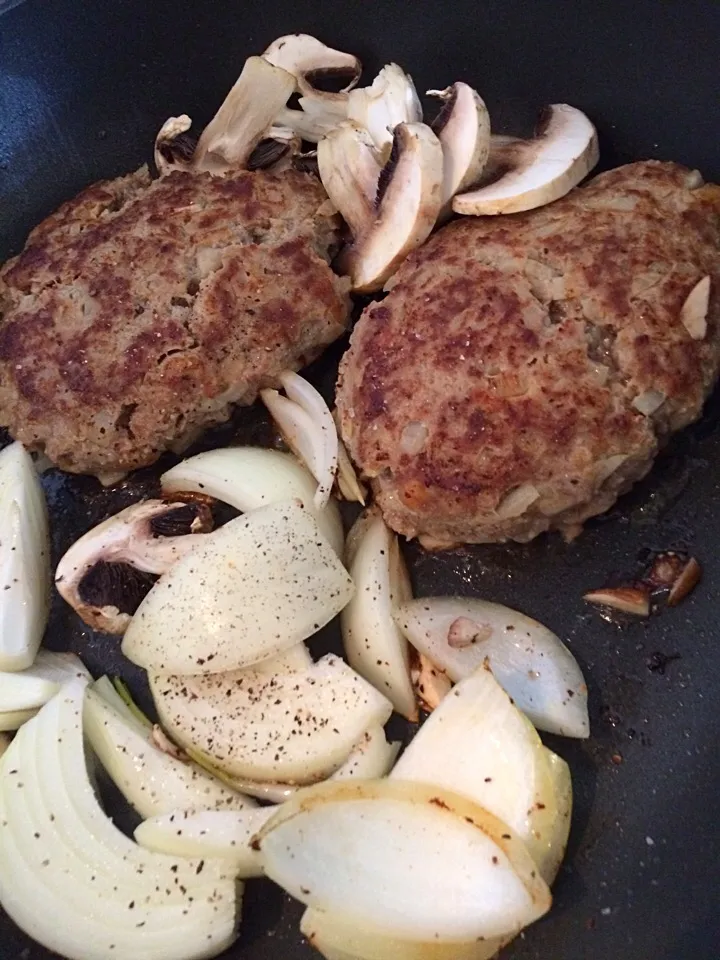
(106, 574)
(386, 226)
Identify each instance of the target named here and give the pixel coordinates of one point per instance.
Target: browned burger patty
(139, 312)
(494, 393)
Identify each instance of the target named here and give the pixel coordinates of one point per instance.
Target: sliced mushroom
(173, 147)
(391, 99)
(407, 205)
(535, 172)
(105, 575)
(634, 600)
(308, 125)
(693, 314)
(311, 62)
(463, 128)
(276, 151)
(350, 170)
(247, 113)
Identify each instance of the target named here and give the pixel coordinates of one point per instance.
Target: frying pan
(84, 87)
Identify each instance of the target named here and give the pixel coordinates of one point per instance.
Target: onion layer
(24, 559)
(527, 659)
(257, 586)
(252, 477)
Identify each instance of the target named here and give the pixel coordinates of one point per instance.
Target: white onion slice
(257, 586)
(308, 428)
(527, 659)
(24, 559)
(413, 861)
(13, 719)
(294, 727)
(21, 692)
(478, 744)
(151, 780)
(27, 690)
(224, 834)
(252, 477)
(336, 939)
(562, 787)
(102, 896)
(371, 758)
(374, 644)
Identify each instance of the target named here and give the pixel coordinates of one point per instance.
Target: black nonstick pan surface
(84, 87)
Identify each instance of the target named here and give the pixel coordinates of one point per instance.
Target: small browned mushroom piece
(634, 600)
(106, 574)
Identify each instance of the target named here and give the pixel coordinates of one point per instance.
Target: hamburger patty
(140, 311)
(497, 391)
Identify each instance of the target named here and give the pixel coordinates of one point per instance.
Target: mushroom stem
(532, 173)
(246, 115)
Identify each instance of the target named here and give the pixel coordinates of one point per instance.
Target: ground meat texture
(140, 312)
(490, 396)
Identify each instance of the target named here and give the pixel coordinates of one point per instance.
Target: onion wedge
(13, 719)
(151, 780)
(478, 744)
(371, 758)
(374, 644)
(308, 428)
(336, 939)
(24, 559)
(252, 477)
(527, 659)
(295, 727)
(409, 860)
(223, 834)
(102, 896)
(257, 586)
(21, 692)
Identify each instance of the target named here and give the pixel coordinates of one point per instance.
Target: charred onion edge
(633, 600)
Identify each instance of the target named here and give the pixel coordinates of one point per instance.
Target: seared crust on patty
(492, 394)
(140, 311)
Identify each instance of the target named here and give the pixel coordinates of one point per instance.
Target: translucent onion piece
(224, 834)
(13, 719)
(527, 659)
(562, 787)
(478, 744)
(413, 861)
(4, 743)
(21, 692)
(151, 780)
(295, 727)
(24, 559)
(251, 477)
(350, 487)
(257, 586)
(308, 428)
(102, 896)
(374, 644)
(336, 939)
